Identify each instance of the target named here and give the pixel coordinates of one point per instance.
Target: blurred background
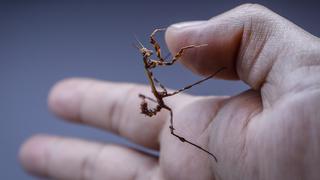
(42, 42)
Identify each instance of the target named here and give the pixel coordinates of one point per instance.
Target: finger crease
(118, 116)
(81, 115)
(88, 163)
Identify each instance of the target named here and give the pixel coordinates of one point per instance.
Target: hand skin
(269, 132)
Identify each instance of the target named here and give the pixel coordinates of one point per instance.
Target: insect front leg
(144, 106)
(180, 53)
(155, 44)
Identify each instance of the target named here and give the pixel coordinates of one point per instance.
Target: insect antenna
(135, 46)
(137, 39)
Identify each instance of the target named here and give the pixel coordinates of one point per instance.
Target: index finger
(110, 106)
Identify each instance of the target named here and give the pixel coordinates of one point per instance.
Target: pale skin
(271, 131)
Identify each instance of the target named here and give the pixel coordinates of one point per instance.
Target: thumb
(255, 44)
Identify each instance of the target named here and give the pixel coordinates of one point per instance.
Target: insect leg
(196, 83)
(158, 82)
(144, 106)
(182, 139)
(180, 53)
(162, 86)
(156, 44)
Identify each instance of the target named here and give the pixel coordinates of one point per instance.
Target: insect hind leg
(196, 83)
(184, 140)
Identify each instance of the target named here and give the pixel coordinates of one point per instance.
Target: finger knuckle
(254, 12)
(252, 7)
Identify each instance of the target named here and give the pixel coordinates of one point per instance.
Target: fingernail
(187, 24)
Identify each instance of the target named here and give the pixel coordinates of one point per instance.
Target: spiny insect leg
(180, 53)
(155, 44)
(144, 106)
(182, 139)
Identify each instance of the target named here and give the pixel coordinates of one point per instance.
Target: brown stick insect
(150, 64)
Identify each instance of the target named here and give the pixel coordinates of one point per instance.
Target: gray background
(42, 42)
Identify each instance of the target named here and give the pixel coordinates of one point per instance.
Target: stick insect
(149, 64)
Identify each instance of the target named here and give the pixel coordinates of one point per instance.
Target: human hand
(269, 132)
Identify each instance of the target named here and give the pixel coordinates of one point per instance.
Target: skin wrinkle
(258, 110)
(111, 113)
(215, 102)
(117, 119)
(124, 117)
(81, 116)
(218, 105)
(252, 37)
(251, 117)
(88, 165)
(141, 171)
(303, 150)
(244, 42)
(306, 151)
(265, 97)
(247, 35)
(244, 129)
(289, 65)
(206, 126)
(270, 81)
(296, 89)
(135, 176)
(254, 20)
(85, 165)
(164, 128)
(237, 53)
(249, 97)
(256, 59)
(204, 133)
(158, 173)
(49, 157)
(221, 104)
(305, 125)
(99, 156)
